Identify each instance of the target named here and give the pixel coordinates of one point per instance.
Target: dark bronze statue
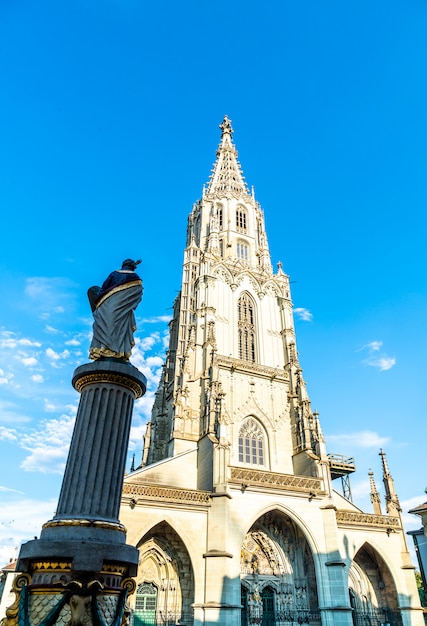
(113, 307)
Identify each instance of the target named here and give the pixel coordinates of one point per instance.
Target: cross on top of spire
(226, 126)
(227, 177)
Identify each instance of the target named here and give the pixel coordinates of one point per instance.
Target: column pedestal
(78, 571)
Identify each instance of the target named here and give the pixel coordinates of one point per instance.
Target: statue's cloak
(114, 317)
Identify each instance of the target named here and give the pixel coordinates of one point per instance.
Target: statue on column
(113, 307)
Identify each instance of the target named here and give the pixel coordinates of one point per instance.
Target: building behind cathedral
(233, 507)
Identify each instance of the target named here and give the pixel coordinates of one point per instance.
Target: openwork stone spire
(227, 177)
(392, 501)
(375, 496)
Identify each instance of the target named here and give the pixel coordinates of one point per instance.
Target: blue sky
(109, 116)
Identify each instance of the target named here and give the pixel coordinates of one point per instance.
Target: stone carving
(288, 482)
(246, 366)
(113, 307)
(168, 493)
(367, 519)
(71, 603)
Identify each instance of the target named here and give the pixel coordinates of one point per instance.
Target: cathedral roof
(227, 176)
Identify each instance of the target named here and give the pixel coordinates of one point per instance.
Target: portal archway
(165, 579)
(373, 594)
(277, 573)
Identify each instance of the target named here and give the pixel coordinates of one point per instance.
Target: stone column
(78, 571)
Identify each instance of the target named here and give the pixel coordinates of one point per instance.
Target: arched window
(145, 605)
(219, 214)
(242, 250)
(246, 328)
(251, 443)
(241, 220)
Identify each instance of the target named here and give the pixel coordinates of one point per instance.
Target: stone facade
(232, 508)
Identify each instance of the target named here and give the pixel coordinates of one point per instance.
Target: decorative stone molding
(109, 378)
(154, 492)
(51, 565)
(85, 523)
(287, 482)
(251, 368)
(345, 518)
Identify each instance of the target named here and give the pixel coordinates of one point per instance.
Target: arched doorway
(268, 608)
(277, 574)
(165, 581)
(145, 605)
(373, 595)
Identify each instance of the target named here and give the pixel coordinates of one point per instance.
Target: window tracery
(251, 443)
(246, 328)
(241, 220)
(242, 250)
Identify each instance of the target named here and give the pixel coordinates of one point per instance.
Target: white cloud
(137, 433)
(29, 361)
(8, 434)
(411, 503)
(49, 406)
(52, 330)
(362, 439)
(11, 341)
(377, 359)
(372, 346)
(21, 520)
(46, 459)
(37, 378)
(5, 377)
(146, 343)
(56, 357)
(165, 340)
(156, 319)
(73, 342)
(303, 314)
(383, 363)
(47, 446)
(2, 488)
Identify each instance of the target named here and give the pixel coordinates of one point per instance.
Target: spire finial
(392, 501)
(375, 496)
(227, 178)
(226, 127)
(382, 454)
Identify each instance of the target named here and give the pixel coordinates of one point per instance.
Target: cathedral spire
(227, 177)
(392, 501)
(375, 496)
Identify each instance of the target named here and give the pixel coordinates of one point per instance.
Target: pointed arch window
(246, 328)
(251, 443)
(241, 220)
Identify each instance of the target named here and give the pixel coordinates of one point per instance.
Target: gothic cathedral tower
(233, 508)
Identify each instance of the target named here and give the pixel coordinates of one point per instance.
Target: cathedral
(233, 508)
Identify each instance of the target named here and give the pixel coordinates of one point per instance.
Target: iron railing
(377, 617)
(374, 617)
